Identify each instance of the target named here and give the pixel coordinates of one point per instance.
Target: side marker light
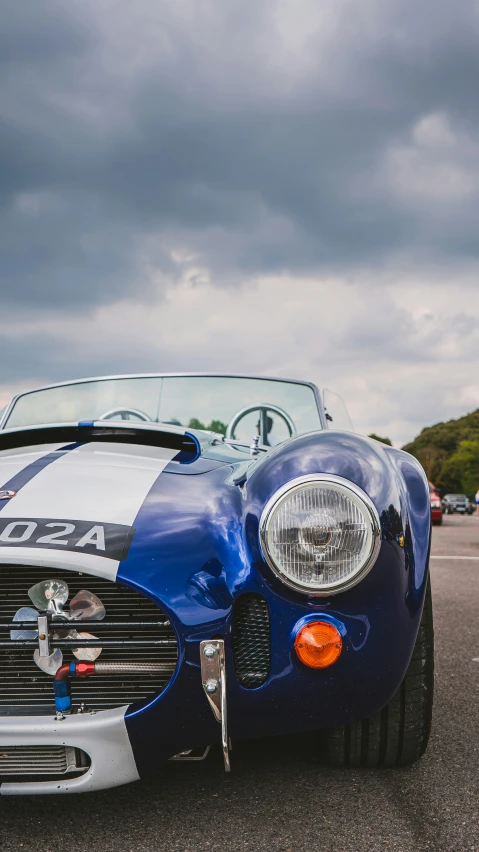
(318, 644)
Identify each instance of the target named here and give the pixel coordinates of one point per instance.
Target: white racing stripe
(64, 560)
(90, 484)
(95, 482)
(15, 460)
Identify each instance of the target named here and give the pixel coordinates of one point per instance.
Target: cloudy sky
(286, 187)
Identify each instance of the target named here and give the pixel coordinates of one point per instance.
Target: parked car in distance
(436, 505)
(457, 503)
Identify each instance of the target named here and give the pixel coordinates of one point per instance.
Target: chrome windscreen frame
(372, 514)
(5, 413)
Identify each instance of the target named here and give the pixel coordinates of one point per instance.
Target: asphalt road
(277, 796)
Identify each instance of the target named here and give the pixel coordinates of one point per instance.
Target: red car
(436, 505)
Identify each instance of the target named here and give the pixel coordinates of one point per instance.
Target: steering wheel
(263, 409)
(125, 414)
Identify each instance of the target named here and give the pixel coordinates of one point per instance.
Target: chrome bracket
(192, 754)
(43, 643)
(213, 676)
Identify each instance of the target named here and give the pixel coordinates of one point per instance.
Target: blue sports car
(187, 561)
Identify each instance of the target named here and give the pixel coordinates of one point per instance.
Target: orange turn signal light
(318, 644)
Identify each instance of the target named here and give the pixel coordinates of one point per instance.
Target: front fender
(388, 601)
(208, 555)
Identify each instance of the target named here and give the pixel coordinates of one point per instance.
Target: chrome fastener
(209, 651)
(211, 686)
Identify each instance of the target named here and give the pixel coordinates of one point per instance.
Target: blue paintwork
(196, 548)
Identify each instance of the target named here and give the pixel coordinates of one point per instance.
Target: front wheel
(399, 733)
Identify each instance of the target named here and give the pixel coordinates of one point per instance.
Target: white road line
(475, 659)
(455, 557)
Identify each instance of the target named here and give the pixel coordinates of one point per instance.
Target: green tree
(446, 436)
(378, 438)
(196, 424)
(217, 426)
(432, 459)
(447, 452)
(461, 471)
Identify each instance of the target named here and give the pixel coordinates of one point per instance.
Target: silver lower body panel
(103, 736)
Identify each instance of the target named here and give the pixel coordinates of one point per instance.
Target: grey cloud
(34, 33)
(57, 360)
(144, 144)
(257, 157)
(397, 337)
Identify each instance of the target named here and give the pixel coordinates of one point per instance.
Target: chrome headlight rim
(372, 514)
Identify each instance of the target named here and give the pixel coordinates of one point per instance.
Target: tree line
(449, 453)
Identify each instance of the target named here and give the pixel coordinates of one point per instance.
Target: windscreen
(336, 412)
(197, 402)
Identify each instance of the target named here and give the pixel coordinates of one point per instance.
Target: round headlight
(320, 534)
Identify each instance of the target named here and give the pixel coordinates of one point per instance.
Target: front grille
(251, 640)
(41, 762)
(24, 688)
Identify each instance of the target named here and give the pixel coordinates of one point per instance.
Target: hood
(74, 505)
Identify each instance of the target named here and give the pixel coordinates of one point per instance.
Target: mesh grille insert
(41, 762)
(24, 688)
(251, 640)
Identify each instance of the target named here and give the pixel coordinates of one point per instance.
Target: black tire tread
(399, 733)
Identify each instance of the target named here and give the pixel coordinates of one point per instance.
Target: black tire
(399, 733)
